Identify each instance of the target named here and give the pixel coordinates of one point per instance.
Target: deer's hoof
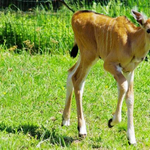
(109, 123)
(82, 136)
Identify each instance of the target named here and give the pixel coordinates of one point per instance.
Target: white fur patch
(131, 136)
(116, 119)
(66, 122)
(119, 69)
(69, 81)
(82, 88)
(83, 130)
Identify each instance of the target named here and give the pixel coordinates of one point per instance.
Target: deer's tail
(74, 51)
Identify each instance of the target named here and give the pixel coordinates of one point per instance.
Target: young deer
(121, 45)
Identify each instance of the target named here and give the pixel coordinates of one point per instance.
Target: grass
(40, 31)
(32, 98)
(33, 87)
(37, 31)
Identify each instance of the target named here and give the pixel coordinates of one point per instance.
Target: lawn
(40, 31)
(32, 98)
(33, 87)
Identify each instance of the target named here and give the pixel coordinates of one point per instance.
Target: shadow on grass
(40, 133)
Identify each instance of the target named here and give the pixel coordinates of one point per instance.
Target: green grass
(32, 98)
(33, 87)
(46, 31)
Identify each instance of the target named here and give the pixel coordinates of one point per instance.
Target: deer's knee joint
(130, 101)
(123, 87)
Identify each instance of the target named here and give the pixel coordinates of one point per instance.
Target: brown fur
(113, 39)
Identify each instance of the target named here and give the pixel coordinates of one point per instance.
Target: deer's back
(102, 34)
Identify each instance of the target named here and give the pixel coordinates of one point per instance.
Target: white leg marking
(69, 81)
(131, 135)
(130, 104)
(82, 130)
(82, 88)
(117, 116)
(116, 119)
(130, 130)
(81, 121)
(66, 117)
(66, 122)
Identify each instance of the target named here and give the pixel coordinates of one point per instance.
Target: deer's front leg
(122, 83)
(122, 88)
(130, 104)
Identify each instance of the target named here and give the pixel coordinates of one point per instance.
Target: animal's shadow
(39, 133)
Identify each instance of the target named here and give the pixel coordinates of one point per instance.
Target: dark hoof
(82, 136)
(62, 121)
(134, 144)
(129, 142)
(109, 123)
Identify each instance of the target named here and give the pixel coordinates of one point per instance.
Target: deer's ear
(139, 17)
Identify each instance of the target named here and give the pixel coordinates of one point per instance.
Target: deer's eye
(148, 30)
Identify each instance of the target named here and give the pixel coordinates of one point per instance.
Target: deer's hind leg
(78, 80)
(66, 112)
